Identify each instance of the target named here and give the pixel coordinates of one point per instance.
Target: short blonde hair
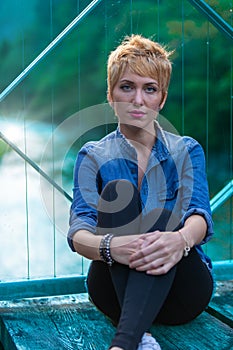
(143, 57)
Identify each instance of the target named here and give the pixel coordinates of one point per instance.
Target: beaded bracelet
(187, 246)
(104, 249)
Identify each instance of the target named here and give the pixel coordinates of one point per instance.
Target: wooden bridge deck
(72, 322)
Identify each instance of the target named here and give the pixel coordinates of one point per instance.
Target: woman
(141, 206)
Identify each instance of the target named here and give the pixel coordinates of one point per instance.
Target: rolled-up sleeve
(208, 219)
(199, 203)
(83, 211)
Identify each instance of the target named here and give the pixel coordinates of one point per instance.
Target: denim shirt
(175, 179)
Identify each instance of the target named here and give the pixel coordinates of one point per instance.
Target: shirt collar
(159, 150)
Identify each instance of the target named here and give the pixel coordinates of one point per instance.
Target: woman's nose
(138, 98)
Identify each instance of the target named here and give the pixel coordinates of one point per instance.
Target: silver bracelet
(187, 246)
(104, 249)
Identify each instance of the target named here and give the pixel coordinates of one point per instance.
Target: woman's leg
(190, 293)
(102, 292)
(176, 298)
(143, 298)
(134, 296)
(125, 217)
(133, 289)
(119, 211)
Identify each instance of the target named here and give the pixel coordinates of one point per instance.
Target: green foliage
(73, 75)
(3, 149)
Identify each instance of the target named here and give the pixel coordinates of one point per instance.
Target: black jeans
(134, 300)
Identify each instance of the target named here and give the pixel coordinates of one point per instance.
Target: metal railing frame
(222, 196)
(213, 17)
(48, 49)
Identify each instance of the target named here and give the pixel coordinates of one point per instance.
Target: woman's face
(136, 100)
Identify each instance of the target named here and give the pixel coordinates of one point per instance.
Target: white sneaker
(148, 343)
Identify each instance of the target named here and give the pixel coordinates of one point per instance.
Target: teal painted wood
(69, 322)
(223, 270)
(221, 305)
(5, 338)
(204, 333)
(43, 287)
(72, 322)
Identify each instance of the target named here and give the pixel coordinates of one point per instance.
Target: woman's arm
(199, 203)
(156, 252)
(87, 244)
(83, 211)
(194, 229)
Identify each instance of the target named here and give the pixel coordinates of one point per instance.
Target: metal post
(49, 48)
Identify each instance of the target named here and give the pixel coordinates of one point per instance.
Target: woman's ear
(164, 98)
(109, 97)
(110, 100)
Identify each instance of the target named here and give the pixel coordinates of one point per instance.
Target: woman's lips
(136, 114)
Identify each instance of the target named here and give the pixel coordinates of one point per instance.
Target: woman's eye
(125, 87)
(151, 89)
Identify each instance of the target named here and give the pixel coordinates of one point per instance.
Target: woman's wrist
(187, 245)
(104, 249)
(122, 247)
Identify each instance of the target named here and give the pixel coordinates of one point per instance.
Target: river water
(34, 217)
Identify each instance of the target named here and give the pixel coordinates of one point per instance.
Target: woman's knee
(190, 293)
(119, 208)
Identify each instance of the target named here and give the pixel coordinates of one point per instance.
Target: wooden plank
(6, 338)
(221, 305)
(55, 323)
(42, 287)
(72, 322)
(223, 270)
(203, 333)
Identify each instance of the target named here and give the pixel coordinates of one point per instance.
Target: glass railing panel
(220, 248)
(72, 78)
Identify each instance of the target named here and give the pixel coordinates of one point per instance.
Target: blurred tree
(73, 76)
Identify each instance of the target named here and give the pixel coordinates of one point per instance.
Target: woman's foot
(148, 343)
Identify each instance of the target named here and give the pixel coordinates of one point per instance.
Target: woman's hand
(122, 248)
(157, 252)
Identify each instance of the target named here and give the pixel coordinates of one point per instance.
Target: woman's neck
(140, 138)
